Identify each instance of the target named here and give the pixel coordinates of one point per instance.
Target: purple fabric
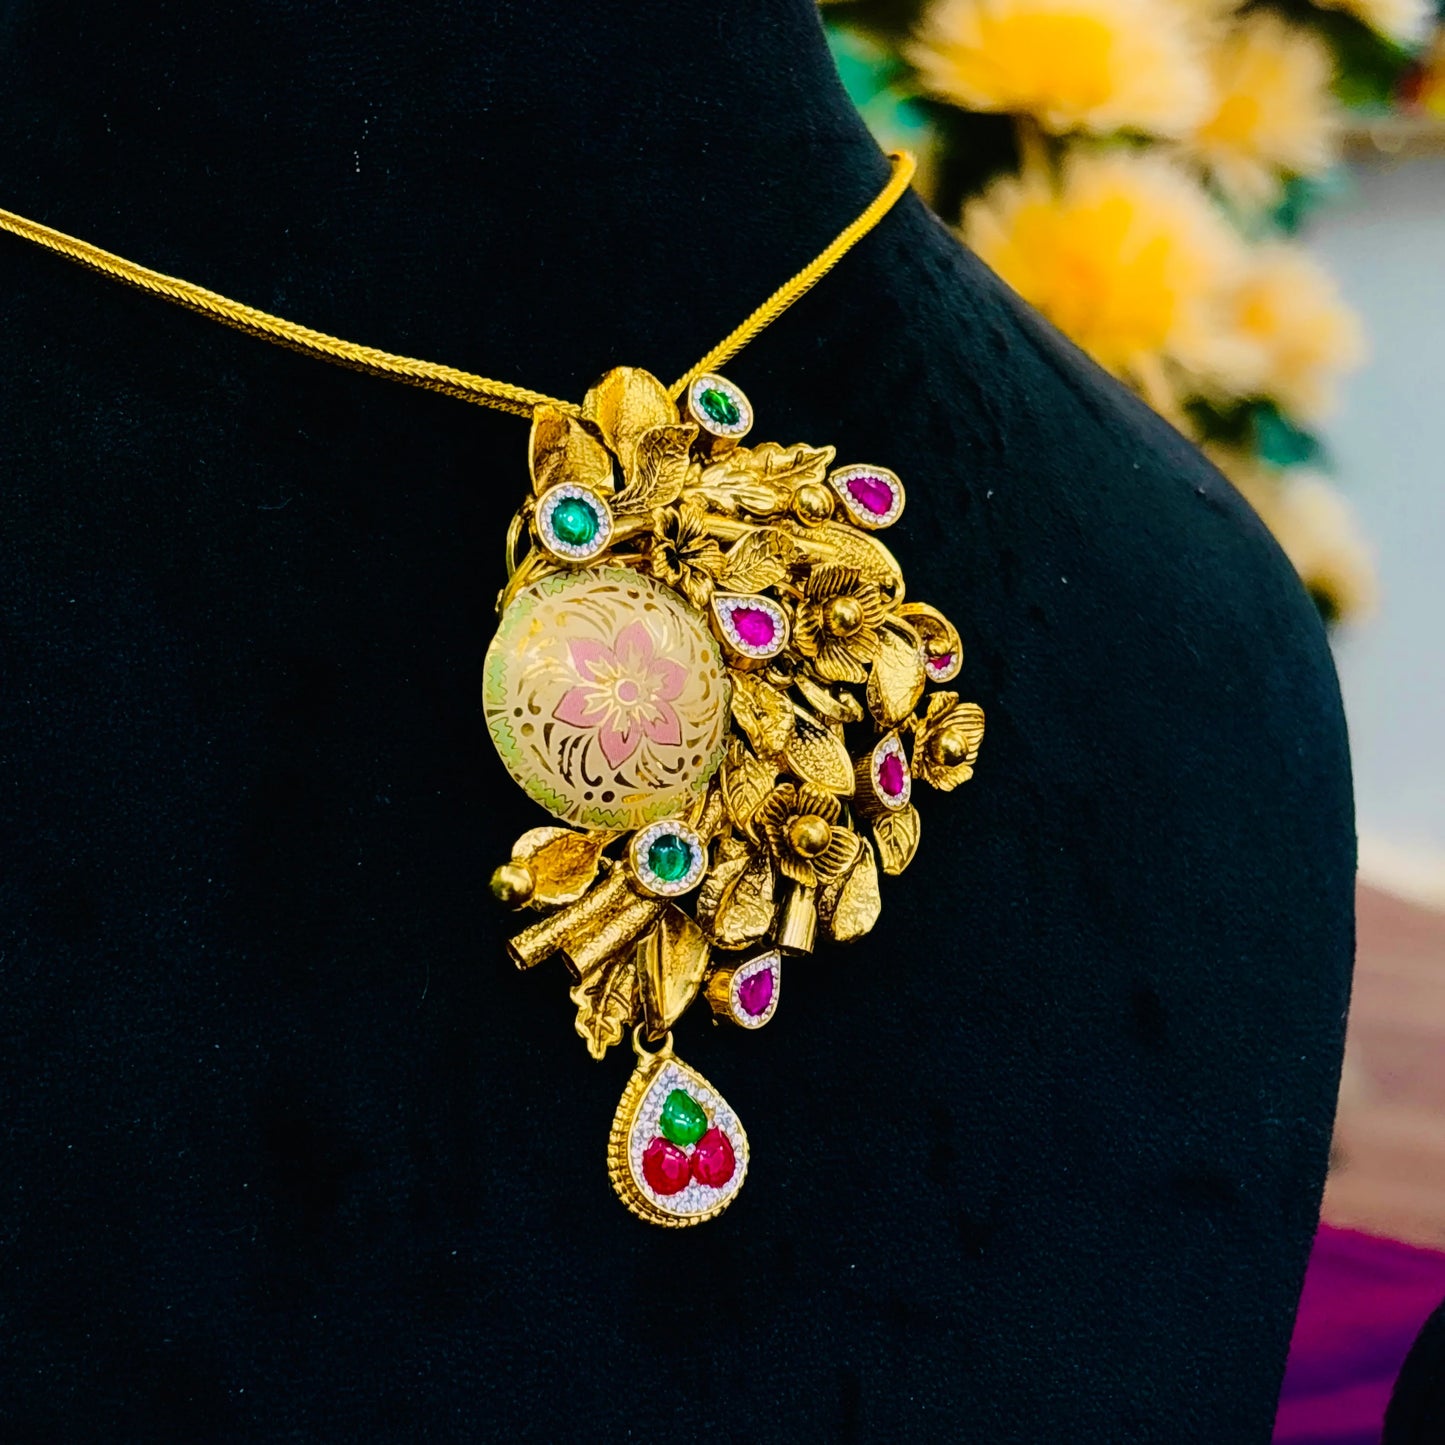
(1364, 1302)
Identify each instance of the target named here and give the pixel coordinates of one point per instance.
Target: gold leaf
(833, 543)
(897, 835)
(932, 626)
(746, 781)
(849, 906)
(896, 680)
(563, 863)
(763, 713)
(735, 904)
(658, 470)
(625, 403)
(762, 479)
(565, 449)
(759, 560)
(606, 1004)
(817, 755)
(840, 707)
(671, 962)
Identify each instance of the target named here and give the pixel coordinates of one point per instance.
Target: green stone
(683, 1121)
(574, 522)
(669, 858)
(719, 407)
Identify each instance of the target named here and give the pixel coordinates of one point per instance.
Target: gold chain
(464, 385)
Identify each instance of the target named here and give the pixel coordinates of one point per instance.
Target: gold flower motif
(683, 554)
(837, 623)
(801, 825)
(946, 742)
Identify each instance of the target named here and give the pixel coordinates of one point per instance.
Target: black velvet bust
(290, 1150)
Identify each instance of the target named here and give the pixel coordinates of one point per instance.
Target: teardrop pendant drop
(677, 1154)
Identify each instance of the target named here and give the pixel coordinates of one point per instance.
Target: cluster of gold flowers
(1156, 139)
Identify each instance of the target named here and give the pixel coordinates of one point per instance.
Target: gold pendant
(706, 668)
(677, 1154)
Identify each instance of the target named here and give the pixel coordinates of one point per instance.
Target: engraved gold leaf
(563, 863)
(566, 449)
(817, 755)
(658, 470)
(763, 713)
(849, 906)
(626, 403)
(830, 542)
(931, 625)
(671, 962)
(896, 680)
(897, 835)
(839, 707)
(762, 479)
(746, 782)
(761, 559)
(736, 903)
(607, 1003)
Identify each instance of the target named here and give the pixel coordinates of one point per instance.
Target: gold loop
(464, 385)
(663, 1050)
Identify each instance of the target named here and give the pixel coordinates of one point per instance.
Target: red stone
(873, 494)
(755, 626)
(713, 1161)
(665, 1166)
(890, 775)
(755, 992)
(941, 664)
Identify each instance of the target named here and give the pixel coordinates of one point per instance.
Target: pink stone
(942, 663)
(873, 494)
(665, 1166)
(755, 993)
(756, 627)
(713, 1161)
(890, 775)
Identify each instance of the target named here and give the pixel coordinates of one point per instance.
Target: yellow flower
(1095, 65)
(684, 554)
(1272, 110)
(1316, 529)
(1288, 306)
(837, 622)
(1126, 255)
(803, 829)
(1407, 21)
(946, 743)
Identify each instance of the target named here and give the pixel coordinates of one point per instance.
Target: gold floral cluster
(794, 829)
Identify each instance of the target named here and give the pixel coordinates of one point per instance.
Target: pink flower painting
(624, 693)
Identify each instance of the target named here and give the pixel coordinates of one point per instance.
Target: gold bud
(812, 503)
(843, 616)
(949, 748)
(809, 834)
(512, 884)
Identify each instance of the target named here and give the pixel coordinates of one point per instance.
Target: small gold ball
(809, 834)
(949, 748)
(513, 884)
(812, 502)
(843, 616)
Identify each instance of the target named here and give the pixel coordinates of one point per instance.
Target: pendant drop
(677, 1154)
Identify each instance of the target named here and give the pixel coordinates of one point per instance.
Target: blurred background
(1240, 212)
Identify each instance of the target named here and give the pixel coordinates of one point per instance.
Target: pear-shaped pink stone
(755, 993)
(890, 775)
(873, 494)
(756, 627)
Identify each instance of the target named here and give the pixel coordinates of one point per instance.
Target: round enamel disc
(606, 697)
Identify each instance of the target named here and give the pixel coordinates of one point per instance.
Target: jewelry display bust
(292, 1149)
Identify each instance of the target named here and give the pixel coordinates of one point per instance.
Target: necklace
(707, 672)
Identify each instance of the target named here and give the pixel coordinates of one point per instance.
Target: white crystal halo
(848, 482)
(563, 550)
(713, 426)
(770, 962)
(648, 877)
(726, 606)
(890, 746)
(637, 1123)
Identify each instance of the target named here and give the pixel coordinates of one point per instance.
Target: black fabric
(1416, 1414)
(290, 1150)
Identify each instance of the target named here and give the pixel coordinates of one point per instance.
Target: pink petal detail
(587, 653)
(668, 677)
(619, 745)
(663, 726)
(633, 648)
(576, 707)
